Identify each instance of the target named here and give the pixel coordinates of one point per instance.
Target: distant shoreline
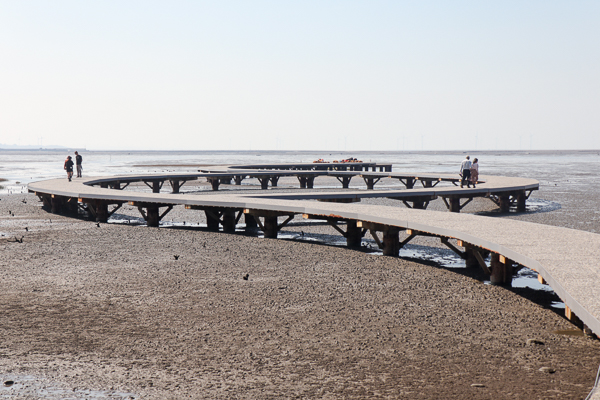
(325, 152)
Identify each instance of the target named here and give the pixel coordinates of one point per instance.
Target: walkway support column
(56, 204)
(229, 220)
(251, 224)
(214, 182)
(101, 209)
(354, 234)
(270, 227)
(521, 201)
(391, 242)
(303, 180)
(212, 221)
(502, 270)
(152, 217)
(151, 211)
(454, 204)
(504, 202)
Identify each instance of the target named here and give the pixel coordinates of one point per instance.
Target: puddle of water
(32, 387)
(539, 205)
(12, 187)
(558, 304)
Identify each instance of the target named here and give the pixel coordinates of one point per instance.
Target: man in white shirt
(465, 172)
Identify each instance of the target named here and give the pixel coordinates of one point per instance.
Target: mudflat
(124, 311)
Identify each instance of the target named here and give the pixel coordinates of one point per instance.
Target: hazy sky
(306, 75)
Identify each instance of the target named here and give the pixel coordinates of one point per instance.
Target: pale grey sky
(305, 75)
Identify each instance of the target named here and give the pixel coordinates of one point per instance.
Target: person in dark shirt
(465, 172)
(78, 160)
(69, 167)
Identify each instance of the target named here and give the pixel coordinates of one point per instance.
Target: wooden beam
(374, 234)
(452, 247)
(407, 240)
(268, 213)
(372, 226)
(466, 202)
(169, 208)
(284, 223)
(481, 262)
(337, 228)
(110, 213)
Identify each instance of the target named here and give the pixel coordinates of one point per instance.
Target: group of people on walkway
(69, 166)
(469, 171)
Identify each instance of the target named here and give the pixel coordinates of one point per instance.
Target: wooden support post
(264, 182)
(101, 211)
(116, 185)
(454, 204)
(371, 182)
(46, 202)
(541, 279)
(152, 216)
(71, 206)
(214, 182)
(238, 179)
(303, 180)
(521, 201)
(271, 227)
(502, 270)
(229, 220)
(420, 205)
(225, 180)
(251, 224)
(410, 183)
(156, 185)
(353, 234)
(212, 220)
(274, 180)
(310, 182)
(504, 202)
(427, 184)
(470, 259)
(391, 242)
(56, 204)
(345, 181)
(175, 185)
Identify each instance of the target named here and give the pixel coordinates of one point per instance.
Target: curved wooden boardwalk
(566, 259)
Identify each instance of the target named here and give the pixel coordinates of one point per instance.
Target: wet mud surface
(125, 311)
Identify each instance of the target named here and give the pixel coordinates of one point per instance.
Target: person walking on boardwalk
(78, 160)
(474, 171)
(69, 167)
(465, 172)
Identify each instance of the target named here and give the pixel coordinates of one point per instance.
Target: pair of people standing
(469, 171)
(69, 166)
